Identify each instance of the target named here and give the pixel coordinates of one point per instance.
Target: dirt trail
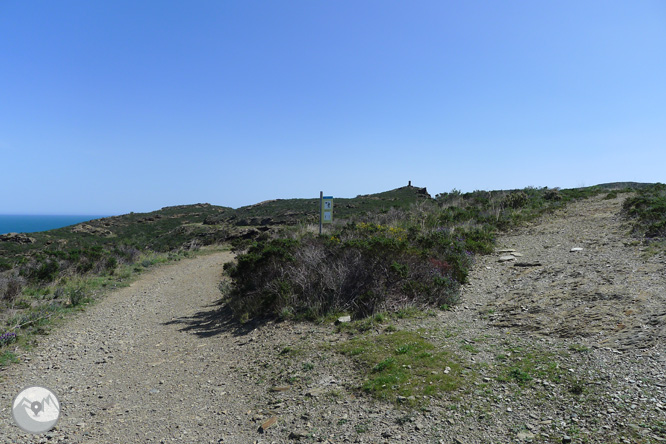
(605, 294)
(160, 362)
(124, 372)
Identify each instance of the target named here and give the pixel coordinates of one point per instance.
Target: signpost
(325, 210)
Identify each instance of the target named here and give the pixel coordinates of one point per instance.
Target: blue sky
(108, 107)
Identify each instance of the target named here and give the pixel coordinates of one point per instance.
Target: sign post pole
(325, 210)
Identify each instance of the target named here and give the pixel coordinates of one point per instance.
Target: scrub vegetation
(385, 253)
(416, 254)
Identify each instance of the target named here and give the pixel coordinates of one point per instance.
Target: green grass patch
(7, 358)
(403, 366)
(522, 365)
(378, 321)
(578, 348)
(469, 348)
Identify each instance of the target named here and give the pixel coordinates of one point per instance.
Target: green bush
(362, 269)
(46, 270)
(417, 257)
(77, 295)
(648, 209)
(517, 199)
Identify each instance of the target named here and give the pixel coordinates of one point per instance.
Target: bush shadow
(215, 319)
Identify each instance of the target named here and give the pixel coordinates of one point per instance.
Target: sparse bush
(5, 265)
(515, 200)
(126, 254)
(46, 270)
(77, 295)
(10, 287)
(111, 264)
(648, 209)
(363, 269)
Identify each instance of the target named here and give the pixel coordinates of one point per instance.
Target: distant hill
(292, 211)
(623, 185)
(174, 227)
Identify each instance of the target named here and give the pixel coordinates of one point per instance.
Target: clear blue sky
(108, 107)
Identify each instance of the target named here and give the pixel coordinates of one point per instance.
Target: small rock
(297, 434)
(573, 250)
(566, 439)
(315, 392)
(525, 436)
(506, 258)
(342, 320)
(506, 250)
(516, 254)
(269, 422)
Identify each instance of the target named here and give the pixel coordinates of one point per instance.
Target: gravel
(162, 362)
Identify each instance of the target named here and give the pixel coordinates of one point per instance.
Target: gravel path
(559, 345)
(124, 373)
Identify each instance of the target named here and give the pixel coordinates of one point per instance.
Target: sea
(31, 223)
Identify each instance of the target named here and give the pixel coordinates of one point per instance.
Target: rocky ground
(556, 346)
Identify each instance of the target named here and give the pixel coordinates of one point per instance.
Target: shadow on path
(217, 319)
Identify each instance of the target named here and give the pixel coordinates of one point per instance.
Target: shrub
(517, 199)
(7, 338)
(363, 269)
(46, 270)
(111, 264)
(11, 287)
(77, 295)
(648, 209)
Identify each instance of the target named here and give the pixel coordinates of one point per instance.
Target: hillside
(558, 338)
(173, 227)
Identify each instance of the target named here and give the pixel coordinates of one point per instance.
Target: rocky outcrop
(19, 238)
(90, 229)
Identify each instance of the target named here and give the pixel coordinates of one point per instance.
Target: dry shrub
(314, 276)
(11, 287)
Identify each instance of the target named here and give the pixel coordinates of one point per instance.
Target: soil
(558, 346)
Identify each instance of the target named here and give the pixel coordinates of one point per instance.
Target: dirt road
(124, 371)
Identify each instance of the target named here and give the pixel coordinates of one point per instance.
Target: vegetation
(416, 252)
(49, 274)
(386, 252)
(404, 367)
(362, 269)
(648, 209)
